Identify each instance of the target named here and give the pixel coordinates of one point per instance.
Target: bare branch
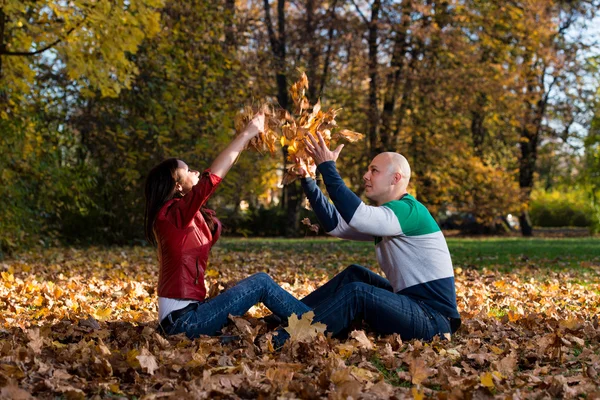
(48, 47)
(360, 13)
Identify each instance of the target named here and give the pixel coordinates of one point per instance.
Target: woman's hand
(255, 126)
(227, 157)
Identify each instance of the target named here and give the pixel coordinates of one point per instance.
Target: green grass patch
(502, 253)
(390, 377)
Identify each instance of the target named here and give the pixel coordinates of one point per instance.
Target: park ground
(81, 323)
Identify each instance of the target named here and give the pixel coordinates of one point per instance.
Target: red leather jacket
(184, 242)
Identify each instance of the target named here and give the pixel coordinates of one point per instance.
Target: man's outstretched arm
(375, 221)
(328, 217)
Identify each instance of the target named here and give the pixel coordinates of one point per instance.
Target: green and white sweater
(410, 246)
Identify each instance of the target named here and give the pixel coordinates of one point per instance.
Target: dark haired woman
(184, 231)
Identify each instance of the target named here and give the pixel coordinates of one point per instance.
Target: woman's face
(185, 178)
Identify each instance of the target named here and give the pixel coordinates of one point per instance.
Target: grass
(504, 253)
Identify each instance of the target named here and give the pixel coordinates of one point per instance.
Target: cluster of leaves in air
(82, 324)
(291, 130)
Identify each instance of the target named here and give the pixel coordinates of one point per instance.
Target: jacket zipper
(197, 273)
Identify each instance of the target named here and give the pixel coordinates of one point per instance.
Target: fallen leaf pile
(291, 130)
(81, 324)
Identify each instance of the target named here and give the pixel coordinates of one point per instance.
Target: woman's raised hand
(256, 125)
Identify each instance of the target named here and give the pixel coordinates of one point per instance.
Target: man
(418, 300)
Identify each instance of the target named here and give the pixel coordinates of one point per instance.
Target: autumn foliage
(82, 324)
(291, 130)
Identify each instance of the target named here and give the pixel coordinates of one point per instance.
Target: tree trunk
(291, 193)
(394, 80)
(373, 113)
(230, 39)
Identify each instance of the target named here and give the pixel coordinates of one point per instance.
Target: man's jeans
(211, 315)
(357, 293)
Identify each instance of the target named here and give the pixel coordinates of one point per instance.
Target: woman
(183, 231)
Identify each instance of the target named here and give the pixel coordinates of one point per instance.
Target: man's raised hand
(319, 151)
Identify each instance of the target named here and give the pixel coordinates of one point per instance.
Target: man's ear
(397, 178)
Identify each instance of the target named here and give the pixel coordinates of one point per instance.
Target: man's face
(378, 179)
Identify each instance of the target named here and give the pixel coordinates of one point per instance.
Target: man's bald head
(387, 177)
(398, 164)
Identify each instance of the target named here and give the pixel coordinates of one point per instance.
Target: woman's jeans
(359, 294)
(211, 315)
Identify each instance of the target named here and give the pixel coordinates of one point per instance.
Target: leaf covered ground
(81, 323)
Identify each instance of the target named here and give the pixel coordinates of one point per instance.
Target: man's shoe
(272, 321)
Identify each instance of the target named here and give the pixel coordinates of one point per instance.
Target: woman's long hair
(159, 186)
(158, 190)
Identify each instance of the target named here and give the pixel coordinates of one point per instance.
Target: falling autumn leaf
(291, 130)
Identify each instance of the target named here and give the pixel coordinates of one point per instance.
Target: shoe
(272, 321)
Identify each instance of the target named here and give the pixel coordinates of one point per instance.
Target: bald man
(418, 298)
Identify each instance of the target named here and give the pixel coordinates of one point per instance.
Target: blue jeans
(357, 293)
(211, 315)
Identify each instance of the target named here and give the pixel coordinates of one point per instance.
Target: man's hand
(318, 150)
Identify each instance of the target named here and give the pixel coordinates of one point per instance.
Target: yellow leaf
(38, 301)
(417, 394)
(132, 358)
(211, 273)
(345, 350)
(8, 277)
(103, 313)
(487, 380)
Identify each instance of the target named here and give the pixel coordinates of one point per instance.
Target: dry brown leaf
(303, 330)
(147, 361)
(418, 371)
(362, 339)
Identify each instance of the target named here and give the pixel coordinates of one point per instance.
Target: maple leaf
(147, 361)
(418, 370)
(303, 330)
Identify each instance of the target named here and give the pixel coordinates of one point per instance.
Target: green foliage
(556, 208)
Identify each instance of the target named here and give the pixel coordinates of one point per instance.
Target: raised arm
(375, 221)
(222, 164)
(328, 217)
